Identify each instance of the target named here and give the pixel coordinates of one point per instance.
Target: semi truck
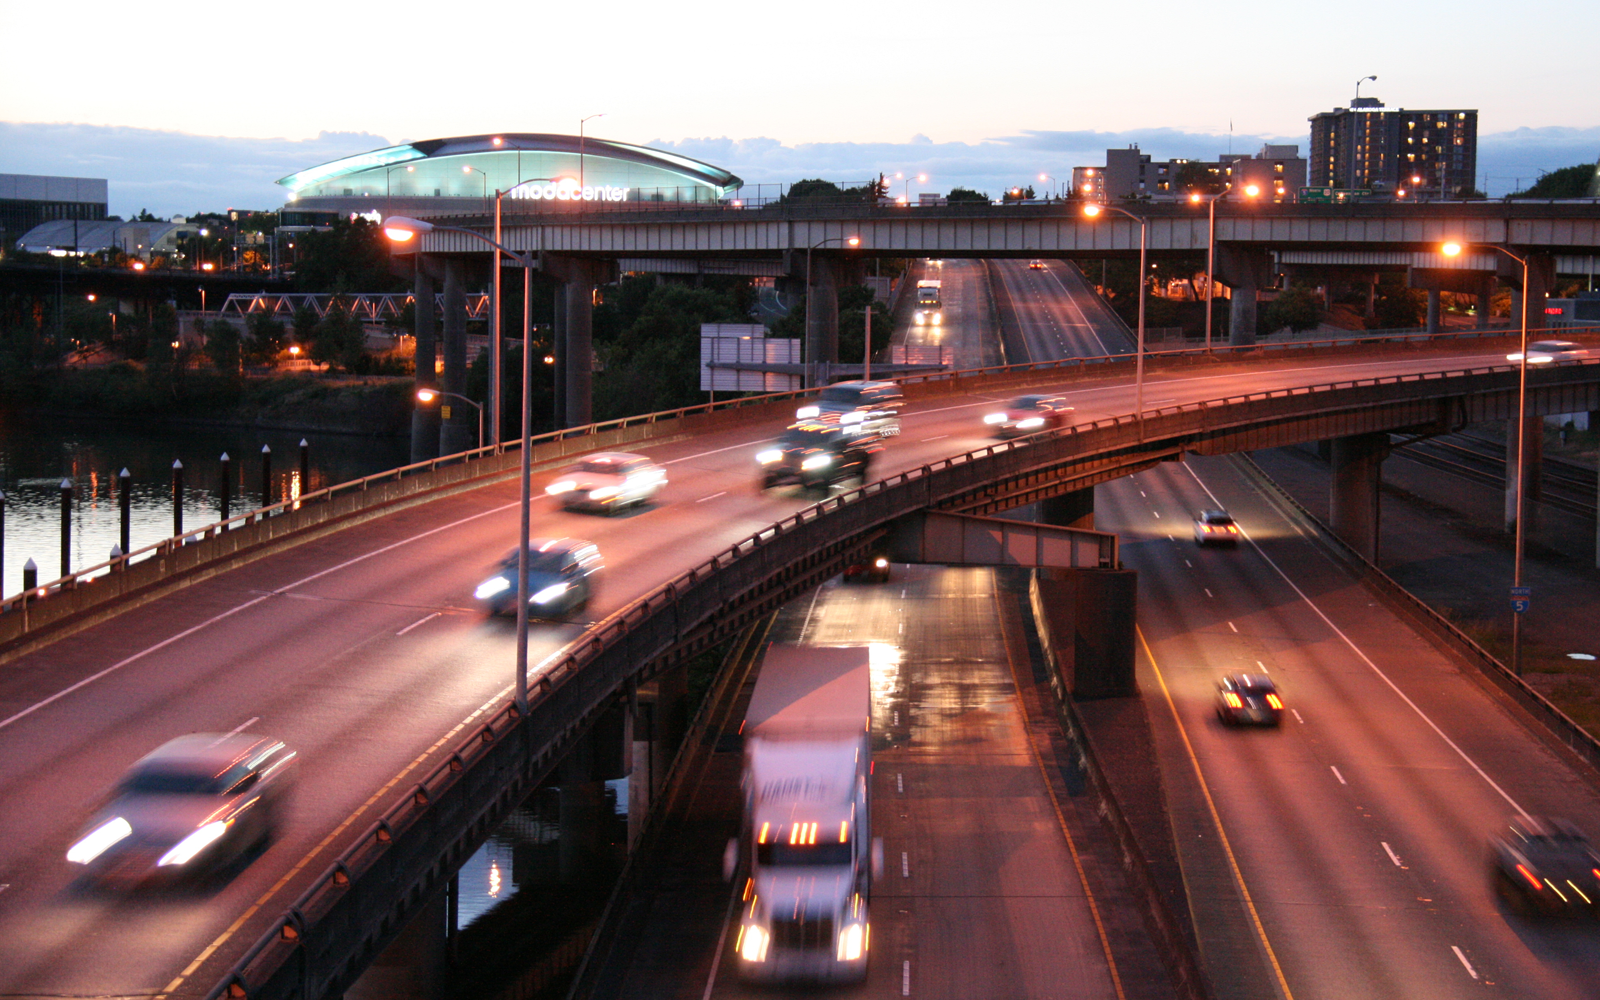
(929, 311)
(805, 850)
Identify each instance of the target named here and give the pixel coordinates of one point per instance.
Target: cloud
(177, 173)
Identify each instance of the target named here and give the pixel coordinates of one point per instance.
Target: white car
(1215, 527)
(1542, 352)
(608, 481)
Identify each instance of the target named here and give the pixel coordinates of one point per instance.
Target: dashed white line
(1233, 626)
(905, 977)
(900, 783)
(1336, 774)
(419, 621)
(246, 724)
(941, 437)
(1141, 492)
(712, 496)
(1188, 564)
(1209, 593)
(1392, 856)
(1297, 718)
(897, 716)
(1157, 513)
(905, 865)
(1465, 964)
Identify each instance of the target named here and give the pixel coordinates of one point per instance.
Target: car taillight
(1233, 529)
(1232, 699)
(1532, 879)
(1273, 700)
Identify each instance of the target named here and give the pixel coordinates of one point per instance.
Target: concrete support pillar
(1485, 302)
(1246, 272)
(1533, 467)
(414, 965)
(822, 313)
(460, 432)
(1357, 470)
(424, 418)
(581, 804)
(559, 342)
(580, 348)
(1541, 278)
(1433, 310)
(1371, 309)
(1069, 510)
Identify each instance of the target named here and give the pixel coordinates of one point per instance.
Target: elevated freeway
(363, 650)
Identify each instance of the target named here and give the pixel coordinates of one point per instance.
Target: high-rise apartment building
(1365, 147)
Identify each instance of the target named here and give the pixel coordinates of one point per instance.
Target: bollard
(30, 575)
(305, 467)
(177, 498)
(227, 487)
(125, 502)
(66, 527)
(266, 476)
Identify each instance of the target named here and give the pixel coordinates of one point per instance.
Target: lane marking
(1368, 661)
(905, 978)
(1233, 626)
(246, 724)
(1216, 818)
(163, 644)
(905, 865)
(419, 621)
(1209, 593)
(1297, 718)
(1468, 965)
(704, 499)
(1188, 564)
(1336, 774)
(1392, 856)
(900, 783)
(941, 437)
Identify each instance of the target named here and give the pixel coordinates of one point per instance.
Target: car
(562, 573)
(1542, 352)
(1036, 265)
(1028, 415)
(1248, 699)
(818, 453)
(1544, 866)
(875, 569)
(607, 482)
(1215, 527)
(193, 806)
(873, 405)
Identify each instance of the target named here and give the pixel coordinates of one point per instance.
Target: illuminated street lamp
(848, 240)
(1250, 191)
(1092, 210)
(1052, 180)
(469, 169)
(1451, 250)
(403, 230)
(495, 378)
(906, 198)
(429, 395)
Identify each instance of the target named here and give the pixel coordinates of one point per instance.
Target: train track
(1563, 485)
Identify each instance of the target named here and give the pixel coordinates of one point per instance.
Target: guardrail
(359, 902)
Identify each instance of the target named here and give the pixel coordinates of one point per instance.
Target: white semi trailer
(806, 851)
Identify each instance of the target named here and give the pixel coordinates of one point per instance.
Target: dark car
(875, 569)
(193, 805)
(874, 405)
(818, 453)
(561, 578)
(1028, 415)
(1215, 527)
(1545, 866)
(1248, 699)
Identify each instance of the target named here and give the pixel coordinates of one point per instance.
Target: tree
(1569, 182)
(1396, 306)
(340, 340)
(305, 325)
(651, 343)
(263, 338)
(1018, 194)
(958, 195)
(349, 256)
(1298, 307)
(223, 346)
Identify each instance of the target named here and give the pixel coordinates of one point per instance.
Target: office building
(1366, 147)
(1278, 170)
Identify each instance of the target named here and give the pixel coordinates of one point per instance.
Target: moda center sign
(567, 189)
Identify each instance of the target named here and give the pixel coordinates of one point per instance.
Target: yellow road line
(1216, 819)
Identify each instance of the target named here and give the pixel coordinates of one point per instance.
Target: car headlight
(603, 492)
(769, 456)
(817, 462)
(807, 412)
(1030, 422)
(753, 941)
(561, 486)
(852, 942)
(550, 593)
(96, 841)
(193, 844)
(491, 587)
(853, 417)
(994, 418)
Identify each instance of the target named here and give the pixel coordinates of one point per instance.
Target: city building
(1367, 148)
(462, 174)
(27, 200)
(1278, 170)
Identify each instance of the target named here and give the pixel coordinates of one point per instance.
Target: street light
(389, 172)
(469, 169)
(402, 230)
(920, 179)
(1091, 210)
(1250, 191)
(1052, 180)
(849, 240)
(1451, 250)
(429, 395)
(597, 114)
(495, 378)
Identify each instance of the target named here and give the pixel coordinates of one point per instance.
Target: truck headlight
(852, 942)
(549, 593)
(193, 844)
(769, 456)
(817, 462)
(491, 587)
(920, 318)
(753, 941)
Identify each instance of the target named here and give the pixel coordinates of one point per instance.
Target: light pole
(429, 395)
(1359, 82)
(1452, 250)
(494, 314)
(850, 240)
(581, 121)
(1052, 180)
(1250, 191)
(401, 230)
(1092, 210)
(920, 179)
(387, 173)
(469, 169)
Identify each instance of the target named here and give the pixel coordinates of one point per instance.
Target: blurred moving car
(1248, 699)
(874, 570)
(873, 405)
(1028, 415)
(1036, 265)
(818, 452)
(1542, 352)
(193, 805)
(608, 481)
(1545, 866)
(561, 578)
(1215, 527)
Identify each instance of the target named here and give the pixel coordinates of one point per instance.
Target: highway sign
(1521, 598)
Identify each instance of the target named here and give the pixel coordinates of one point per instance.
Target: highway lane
(332, 646)
(1059, 314)
(966, 329)
(1359, 829)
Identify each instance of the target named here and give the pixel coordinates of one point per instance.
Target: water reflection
(35, 456)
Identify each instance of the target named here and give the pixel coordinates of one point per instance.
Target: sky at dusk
(185, 106)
